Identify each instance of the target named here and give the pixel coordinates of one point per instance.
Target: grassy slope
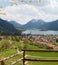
(11, 51)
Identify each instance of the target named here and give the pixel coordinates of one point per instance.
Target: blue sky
(23, 12)
(4, 3)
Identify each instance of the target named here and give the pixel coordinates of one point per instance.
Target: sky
(22, 11)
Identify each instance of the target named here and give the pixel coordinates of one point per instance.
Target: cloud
(22, 13)
(52, 8)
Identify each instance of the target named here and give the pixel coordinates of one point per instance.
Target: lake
(38, 32)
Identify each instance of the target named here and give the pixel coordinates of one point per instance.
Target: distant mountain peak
(57, 20)
(38, 24)
(15, 24)
(36, 20)
(34, 23)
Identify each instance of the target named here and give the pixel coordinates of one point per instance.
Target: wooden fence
(25, 59)
(41, 60)
(3, 63)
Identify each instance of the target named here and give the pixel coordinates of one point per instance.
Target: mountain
(50, 25)
(7, 28)
(42, 25)
(17, 25)
(38, 24)
(34, 23)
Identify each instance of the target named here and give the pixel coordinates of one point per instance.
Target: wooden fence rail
(17, 61)
(2, 61)
(25, 60)
(41, 60)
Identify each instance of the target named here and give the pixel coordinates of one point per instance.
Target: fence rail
(2, 61)
(41, 60)
(40, 50)
(25, 60)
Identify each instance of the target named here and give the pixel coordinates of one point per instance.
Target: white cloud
(52, 8)
(22, 13)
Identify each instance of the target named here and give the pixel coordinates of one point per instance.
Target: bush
(25, 46)
(5, 44)
(13, 38)
(17, 38)
(25, 40)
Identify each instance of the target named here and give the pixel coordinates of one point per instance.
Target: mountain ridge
(51, 25)
(40, 24)
(7, 28)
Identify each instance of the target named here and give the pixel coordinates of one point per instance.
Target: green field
(9, 45)
(43, 63)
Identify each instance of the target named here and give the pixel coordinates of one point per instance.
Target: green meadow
(9, 45)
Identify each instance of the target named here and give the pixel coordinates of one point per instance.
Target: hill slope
(7, 28)
(50, 26)
(17, 25)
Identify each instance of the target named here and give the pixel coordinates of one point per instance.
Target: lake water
(38, 32)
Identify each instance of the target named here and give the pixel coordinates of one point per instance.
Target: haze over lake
(38, 32)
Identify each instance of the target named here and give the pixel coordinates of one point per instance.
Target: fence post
(23, 57)
(2, 62)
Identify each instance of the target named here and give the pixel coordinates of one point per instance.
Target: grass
(42, 63)
(7, 53)
(43, 54)
(12, 50)
(8, 62)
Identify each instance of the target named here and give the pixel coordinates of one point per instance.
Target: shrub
(5, 44)
(12, 38)
(17, 38)
(25, 40)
